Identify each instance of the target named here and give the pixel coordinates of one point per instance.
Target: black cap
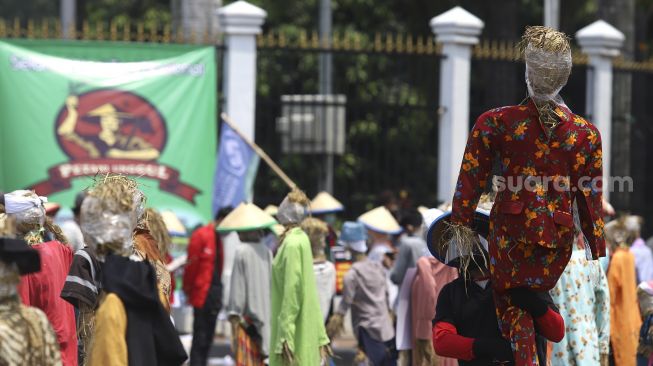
(17, 251)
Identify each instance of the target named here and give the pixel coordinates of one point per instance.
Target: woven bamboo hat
(324, 203)
(246, 217)
(173, 224)
(380, 220)
(271, 210)
(448, 252)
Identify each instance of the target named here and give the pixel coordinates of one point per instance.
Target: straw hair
(545, 38)
(115, 188)
(158, 230)
(316, 230)
(50, 226)
(298, 196)
(7, 225)
(466, 243)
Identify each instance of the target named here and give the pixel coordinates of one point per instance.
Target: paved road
(344, 351)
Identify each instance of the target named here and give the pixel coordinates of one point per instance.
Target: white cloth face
(26, 207)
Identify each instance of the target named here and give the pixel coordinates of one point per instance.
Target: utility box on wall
(312, 124)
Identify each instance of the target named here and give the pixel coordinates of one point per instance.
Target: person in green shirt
(298, 334)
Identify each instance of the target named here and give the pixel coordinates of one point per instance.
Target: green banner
(71, 111)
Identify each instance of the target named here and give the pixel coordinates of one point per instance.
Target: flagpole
(275, 168)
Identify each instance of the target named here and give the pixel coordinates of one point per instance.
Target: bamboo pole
(275, 168)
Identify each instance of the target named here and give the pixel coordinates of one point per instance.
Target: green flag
(71, 111)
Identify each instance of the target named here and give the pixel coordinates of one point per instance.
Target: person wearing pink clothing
(431, 276)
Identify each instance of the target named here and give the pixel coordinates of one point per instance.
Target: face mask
(482, 283)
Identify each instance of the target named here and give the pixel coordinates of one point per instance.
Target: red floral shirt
(539, 174)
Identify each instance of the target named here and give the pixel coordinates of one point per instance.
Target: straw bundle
(545, 38)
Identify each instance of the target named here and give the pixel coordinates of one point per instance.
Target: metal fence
(390, 94)
(641, 148)
(390, 87)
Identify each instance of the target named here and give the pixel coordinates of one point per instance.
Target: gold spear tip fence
(398, 43)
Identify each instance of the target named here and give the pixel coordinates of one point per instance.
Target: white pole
(458, 31)
(241, 22)
(67, 12)
(552, 13)
(601, 42)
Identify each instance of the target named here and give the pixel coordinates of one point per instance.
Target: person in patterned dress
(26, 336)
(583, 298)
(548, 157)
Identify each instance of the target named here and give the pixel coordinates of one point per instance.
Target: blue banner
(235, 170)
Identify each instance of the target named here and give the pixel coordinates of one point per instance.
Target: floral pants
(520, 264)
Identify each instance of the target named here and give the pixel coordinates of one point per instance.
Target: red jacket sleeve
(447, 342)
(551, 326)
(589, 196)
(475, 169)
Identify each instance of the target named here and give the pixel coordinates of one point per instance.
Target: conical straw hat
(271, 210)
(173, 224)
(246, 217)
(325, 203)
(380, 220)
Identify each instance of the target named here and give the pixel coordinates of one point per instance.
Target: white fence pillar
(241, 22)
(601, 42)
(458, 31)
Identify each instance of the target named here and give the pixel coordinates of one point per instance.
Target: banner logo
(114, 131)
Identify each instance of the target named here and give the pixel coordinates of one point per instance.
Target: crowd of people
(108, 301)
(527, 277)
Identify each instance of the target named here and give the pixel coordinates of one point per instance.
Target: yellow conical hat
(173, 224)
(380, 220)
(325, 203)
(246, 217)
(271, 210)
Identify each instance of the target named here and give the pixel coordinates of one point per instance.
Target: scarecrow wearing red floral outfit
(549, 158)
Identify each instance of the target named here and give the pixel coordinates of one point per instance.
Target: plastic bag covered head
(547, 54)
(293, 208)
(109, 215)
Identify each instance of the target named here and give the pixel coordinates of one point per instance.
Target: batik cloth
(26, 336)
(583, 298)
(543, 171)
(248, 349)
